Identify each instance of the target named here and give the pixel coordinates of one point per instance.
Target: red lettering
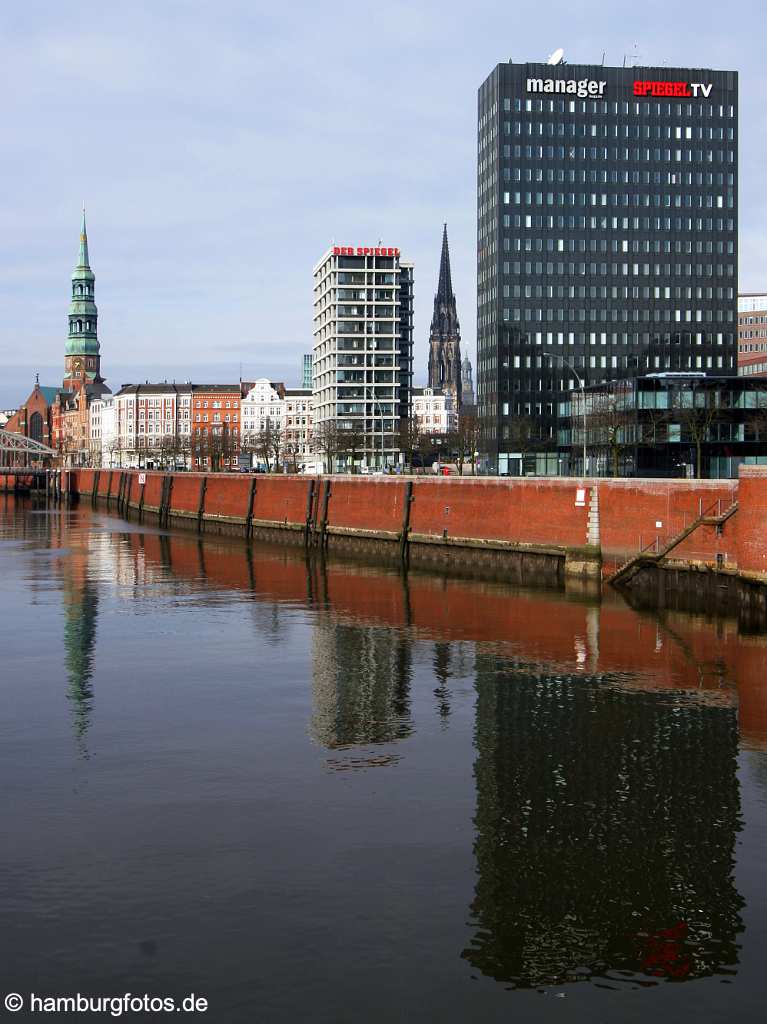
(662, 89)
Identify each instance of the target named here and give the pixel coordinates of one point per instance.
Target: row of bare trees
(277, 449)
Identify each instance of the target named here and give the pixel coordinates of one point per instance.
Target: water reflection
(81, 614)
(605, 831)
(360, 685)
(604, 738)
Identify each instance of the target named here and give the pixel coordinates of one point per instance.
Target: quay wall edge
(581, 527)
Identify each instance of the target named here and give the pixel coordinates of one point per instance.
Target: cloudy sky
(221, 147)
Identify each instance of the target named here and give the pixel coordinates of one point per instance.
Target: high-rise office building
(607, 236)
(306, 379)
(362, 363)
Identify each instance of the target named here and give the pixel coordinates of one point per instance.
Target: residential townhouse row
(218, 426)
(201, 426)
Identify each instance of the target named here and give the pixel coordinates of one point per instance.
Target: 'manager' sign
(569, 86)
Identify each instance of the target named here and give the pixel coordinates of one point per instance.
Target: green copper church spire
(83, 259)
(82, 359)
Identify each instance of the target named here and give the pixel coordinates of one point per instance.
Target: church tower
(445, 334)
(82, 359)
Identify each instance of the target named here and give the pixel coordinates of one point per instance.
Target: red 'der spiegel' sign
(363, 250)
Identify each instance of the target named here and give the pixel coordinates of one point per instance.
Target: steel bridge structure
(17, 451)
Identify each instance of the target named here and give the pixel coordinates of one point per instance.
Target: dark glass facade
(405, 389)
(606, 237)
(669, 425)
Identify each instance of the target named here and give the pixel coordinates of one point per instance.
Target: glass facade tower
(607, 221)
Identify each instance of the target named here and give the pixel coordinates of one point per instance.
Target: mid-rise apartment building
(362, 362)
(152, 425)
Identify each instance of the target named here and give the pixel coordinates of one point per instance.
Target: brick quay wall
(550, 527)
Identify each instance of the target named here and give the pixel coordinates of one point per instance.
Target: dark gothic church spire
(445, 334)
(445, 286)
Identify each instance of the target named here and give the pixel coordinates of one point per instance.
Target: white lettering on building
(568, 86)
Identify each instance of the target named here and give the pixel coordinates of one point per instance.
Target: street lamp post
(377, 404)
(582, 386)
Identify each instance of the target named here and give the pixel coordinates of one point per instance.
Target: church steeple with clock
(82, 355)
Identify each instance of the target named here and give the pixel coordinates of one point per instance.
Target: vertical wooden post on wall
(109, 486)
(95, 486)
(323, 537)
(141, 501)
(309, 504)
(404, 543)
(201, 502)
(169, 503)
(167, 490)
(251, 503)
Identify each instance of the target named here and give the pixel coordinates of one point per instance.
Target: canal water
(323, 791)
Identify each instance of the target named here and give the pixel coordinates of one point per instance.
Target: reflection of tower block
(360, 685)
(578, 796)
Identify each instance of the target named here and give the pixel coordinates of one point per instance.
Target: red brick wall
(630, 509)
(153, 490)
(532, 511)
(279, 498)
(359, 503)
(185, 496)
(227, 495)
(750, 522)
(82, 480)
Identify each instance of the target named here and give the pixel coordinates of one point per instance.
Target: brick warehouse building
(607, 236)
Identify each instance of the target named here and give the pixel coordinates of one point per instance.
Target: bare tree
(757, 420)
(291, 450)
(465, 441)
(326, 441)
(268, 446)
(696, 419)
(411, 439)
(610, 427)
(352, 441)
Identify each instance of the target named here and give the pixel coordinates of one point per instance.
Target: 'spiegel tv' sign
(666, 89)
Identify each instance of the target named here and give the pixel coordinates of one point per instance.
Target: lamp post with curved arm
(582, 386)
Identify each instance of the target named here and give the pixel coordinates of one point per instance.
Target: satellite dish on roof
(556, 57)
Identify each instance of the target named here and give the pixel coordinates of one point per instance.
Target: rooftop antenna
(603, 57)
(556, 57)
